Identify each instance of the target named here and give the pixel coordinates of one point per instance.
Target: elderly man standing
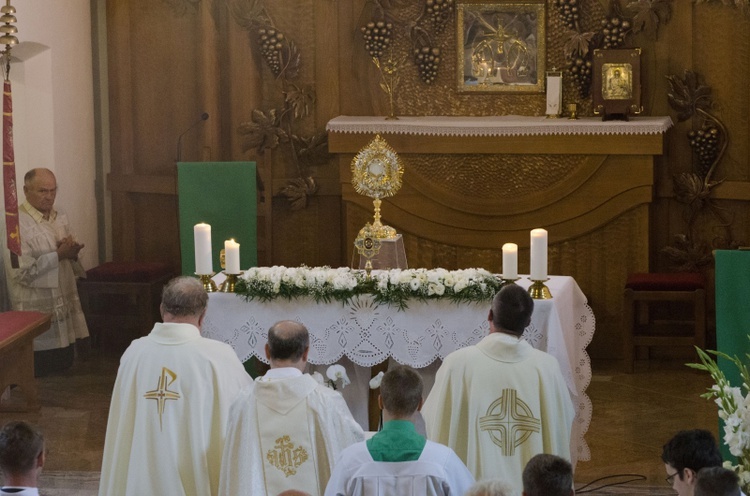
(285, 432)
(170, 404)
(45, 280)
(499, 403)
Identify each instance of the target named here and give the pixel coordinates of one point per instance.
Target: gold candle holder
(573, 111)
(538, 290)
(208, 284)
(229, 283)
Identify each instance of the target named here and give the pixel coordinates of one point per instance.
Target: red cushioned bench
(17, 333)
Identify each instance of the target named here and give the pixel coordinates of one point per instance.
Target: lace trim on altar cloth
(508, 125)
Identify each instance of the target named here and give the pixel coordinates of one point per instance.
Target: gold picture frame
(616, 86)
(501, 46)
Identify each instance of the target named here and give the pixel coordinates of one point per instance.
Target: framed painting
(616, 87)
(501, 46)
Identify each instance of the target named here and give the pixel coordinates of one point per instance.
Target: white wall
(53, 104)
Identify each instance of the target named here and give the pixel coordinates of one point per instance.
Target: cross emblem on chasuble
(286, 457)
(162, 393)
(509, 422)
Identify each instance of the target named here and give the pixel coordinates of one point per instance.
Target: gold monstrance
(376, 172)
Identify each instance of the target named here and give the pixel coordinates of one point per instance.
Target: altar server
(170, 404)
(499, 403)
(286, 431)
(398, 460)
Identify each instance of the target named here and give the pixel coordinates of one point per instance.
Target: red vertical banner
(9, 174)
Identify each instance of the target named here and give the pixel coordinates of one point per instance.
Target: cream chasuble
(284, 434)
(499, 403)
(168, 416)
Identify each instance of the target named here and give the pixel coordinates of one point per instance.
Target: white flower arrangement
(375, 381)
(734, 410)
(394, 286)
(335, 373)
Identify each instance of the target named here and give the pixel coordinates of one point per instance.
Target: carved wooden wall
(171, 60)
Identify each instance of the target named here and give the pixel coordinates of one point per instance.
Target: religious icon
(617, 80)
(617, 83)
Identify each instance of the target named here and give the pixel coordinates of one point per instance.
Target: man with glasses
(685, 454)
(45, 280)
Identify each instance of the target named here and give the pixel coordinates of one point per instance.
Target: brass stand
(228, 285)
(539, 291)
(208, 284)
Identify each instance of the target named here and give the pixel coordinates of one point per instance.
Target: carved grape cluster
(614, 30)
(580, 69)
(427, 60)
(569, 12)
(440, 12)
(271, 43)
(377, 36)
(705, 144)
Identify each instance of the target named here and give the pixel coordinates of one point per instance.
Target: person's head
(548, 475)
(717, 481)
(685, 454)
(184, 300)
(511, 310)
(401, 392)
(491, 487)
(21, 453)
(617, 73)
(40, 188)
(288, 345)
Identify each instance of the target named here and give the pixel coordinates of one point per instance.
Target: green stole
(399, 441)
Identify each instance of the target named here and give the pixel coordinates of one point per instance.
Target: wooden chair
(121, 301)
(17, 333)
(661, 288)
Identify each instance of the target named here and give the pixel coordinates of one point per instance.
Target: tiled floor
(633, 415)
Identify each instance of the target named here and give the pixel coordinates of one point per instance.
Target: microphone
(203, 117)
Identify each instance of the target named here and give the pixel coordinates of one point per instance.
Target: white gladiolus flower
(336, 372)
(375, 381)
(318, 377)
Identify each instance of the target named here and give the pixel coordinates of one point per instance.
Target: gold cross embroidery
(509, 421)
(162, 393)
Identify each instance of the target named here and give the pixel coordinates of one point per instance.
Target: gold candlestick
(538, 290)
(208, 284)
(229, 283)
(573, 111)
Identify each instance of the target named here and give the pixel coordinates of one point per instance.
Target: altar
(367, 333)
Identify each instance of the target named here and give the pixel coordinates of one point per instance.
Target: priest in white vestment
(170, 404)
(286, 431)
(398, 460)
(499, 403)
(45, 280)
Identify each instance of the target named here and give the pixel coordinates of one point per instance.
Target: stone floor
(633, 415)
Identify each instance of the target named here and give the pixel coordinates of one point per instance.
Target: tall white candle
(554, 95)
(510, 261)
(202, 237)
(232, 256)
(538, 254)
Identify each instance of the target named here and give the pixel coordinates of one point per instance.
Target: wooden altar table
(368, 333)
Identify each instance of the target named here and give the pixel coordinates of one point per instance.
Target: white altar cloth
(368, 333)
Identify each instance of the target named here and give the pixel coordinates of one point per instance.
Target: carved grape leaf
(262, 131)
(689, 188)
(649, 14)
(687, 94)
(687, 256)
(578, 43)
(297, 190)
(248, 13)
(312, 151)
(301, 99)
(291, 61)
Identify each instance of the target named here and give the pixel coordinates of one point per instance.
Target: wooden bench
(17, 333)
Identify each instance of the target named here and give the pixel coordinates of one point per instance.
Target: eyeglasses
(670, 478)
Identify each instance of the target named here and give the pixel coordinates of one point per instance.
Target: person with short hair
(548, 475)
(287, 429)
(685, 454)
(170, 404)
(21, 458)
(500, 402)
(717, 481)
(398, 460)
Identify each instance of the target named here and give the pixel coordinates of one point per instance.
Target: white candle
(554, 95)
(538, 255)
(202, 236)
(510, 261)
(232, 256)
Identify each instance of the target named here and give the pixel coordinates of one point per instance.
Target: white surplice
(285, 432)
(168, 416)
(499, 403)
(43, 283)
(437, 472)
